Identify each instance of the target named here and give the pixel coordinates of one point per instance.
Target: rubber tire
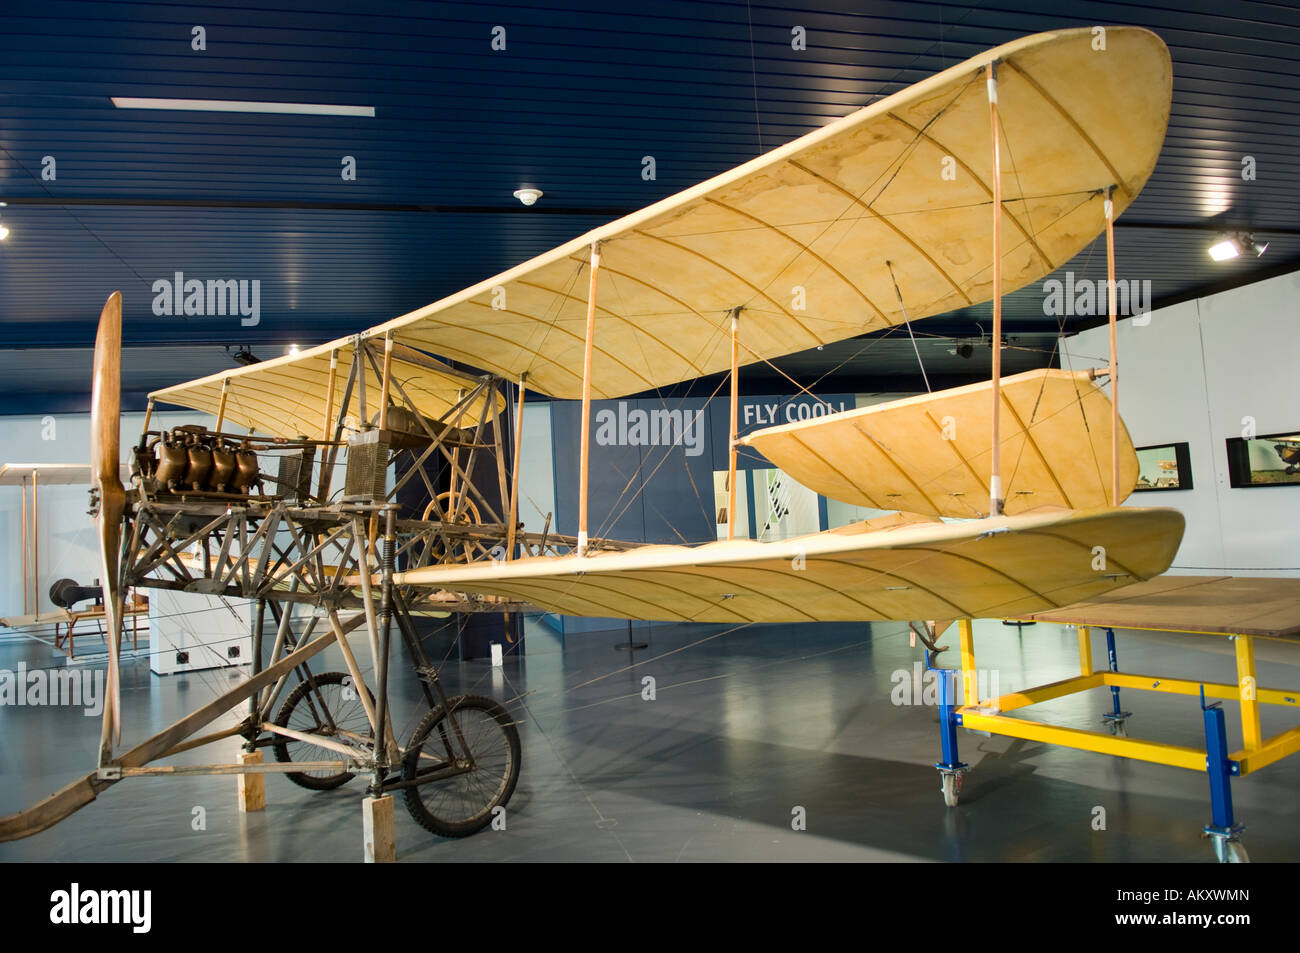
(951, 789)
(282, 743)
(483, 817)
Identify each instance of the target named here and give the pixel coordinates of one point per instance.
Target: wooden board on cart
(1268, 607)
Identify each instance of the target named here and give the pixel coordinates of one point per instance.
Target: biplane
(1002, 494)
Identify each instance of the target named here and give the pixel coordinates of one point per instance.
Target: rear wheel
(334, 710)
(481, 770)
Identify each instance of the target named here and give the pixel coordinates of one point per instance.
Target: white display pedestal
(193, 632)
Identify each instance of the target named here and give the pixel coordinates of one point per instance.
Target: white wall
(537, 469)
(66, 533)
(1191, 374)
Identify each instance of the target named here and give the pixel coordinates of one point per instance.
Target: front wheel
(330, 705)
(471, 757)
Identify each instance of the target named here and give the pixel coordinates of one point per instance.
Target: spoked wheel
(468, 778)
(333, 710)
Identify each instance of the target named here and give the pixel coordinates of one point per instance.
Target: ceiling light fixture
(292, 350)
(4, 232)
(242, 106)
(244, 356)
(528, 196)
(1224, 250)
(1237, 243)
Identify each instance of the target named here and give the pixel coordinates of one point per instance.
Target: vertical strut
(384, 384)
(26, 545)
(327, 417)
(995, 478)
(148, 415)
(221, 406)
(1114, 369)
(514, 478)
(731, 442)
(585, 445)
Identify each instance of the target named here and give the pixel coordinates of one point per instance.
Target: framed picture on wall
(1166, 466)
(1270, 460)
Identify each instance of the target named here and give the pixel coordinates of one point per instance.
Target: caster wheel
(1230, 851)
(1118, 729)
(951, 789)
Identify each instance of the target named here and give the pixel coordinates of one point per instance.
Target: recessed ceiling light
(241, 106)
(528, 196)
(292, 350)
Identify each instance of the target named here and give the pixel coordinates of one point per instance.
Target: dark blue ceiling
(580, 94)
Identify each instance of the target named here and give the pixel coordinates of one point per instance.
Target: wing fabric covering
(799, 237)
(286, 397)
(913, 569)
(930, 454)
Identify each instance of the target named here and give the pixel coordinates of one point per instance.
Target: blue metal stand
(1117, 716)
(1223, 829)
(950, 768)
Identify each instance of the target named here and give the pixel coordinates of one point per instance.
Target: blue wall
(644, 491)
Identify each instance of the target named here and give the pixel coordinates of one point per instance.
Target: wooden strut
(514, 467)
(1114, 370)
(148, 415)
(385, 384)
(585, 444)
(995, 477)
(326, 419)
(731, 442)
(221, 406)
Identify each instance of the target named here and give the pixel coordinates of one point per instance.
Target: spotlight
(528, 196)
(1235, 244)
(244, 356)
(1225, 250)
(292, 350)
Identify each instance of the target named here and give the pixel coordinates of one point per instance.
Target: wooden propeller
(105, 462)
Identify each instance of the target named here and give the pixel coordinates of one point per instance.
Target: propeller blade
(105, 460)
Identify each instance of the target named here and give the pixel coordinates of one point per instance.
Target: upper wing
(930, 454)
(800, 236)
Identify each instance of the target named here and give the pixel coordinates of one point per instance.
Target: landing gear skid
(929, 638)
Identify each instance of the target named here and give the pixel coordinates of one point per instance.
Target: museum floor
(745, 727)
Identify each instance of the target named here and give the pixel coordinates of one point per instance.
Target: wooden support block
(377, 827)
(252, 787)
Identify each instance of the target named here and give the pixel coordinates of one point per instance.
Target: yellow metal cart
(1241, 609)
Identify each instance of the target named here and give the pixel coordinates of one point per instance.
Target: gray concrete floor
(746, 726)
